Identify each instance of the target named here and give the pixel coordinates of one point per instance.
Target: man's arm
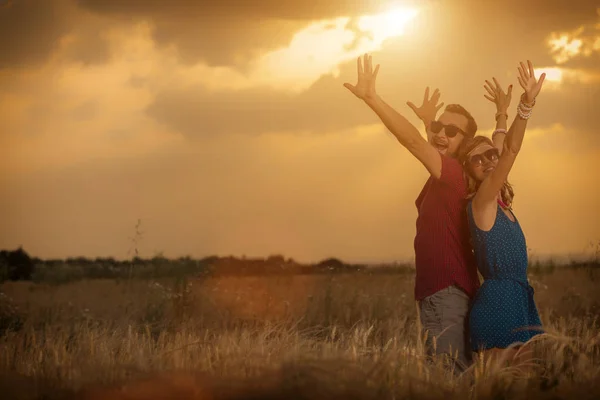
(400, 127)
(407, 135)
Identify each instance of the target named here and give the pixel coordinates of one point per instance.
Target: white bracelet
(523, 115)
(526, 105)
(499, 130)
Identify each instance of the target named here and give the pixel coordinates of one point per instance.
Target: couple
(465, 221)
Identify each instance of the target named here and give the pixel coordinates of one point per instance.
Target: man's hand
(529, 83)
(365, 86)
(429, 109)
(498, 96)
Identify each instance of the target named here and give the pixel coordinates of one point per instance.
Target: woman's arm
(502, 102)
(489, 189)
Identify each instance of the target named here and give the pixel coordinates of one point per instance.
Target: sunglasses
(490, 155)
(451, 130)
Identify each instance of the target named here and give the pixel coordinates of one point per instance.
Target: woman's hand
(498, 96)
(529, 83)
(365, 86)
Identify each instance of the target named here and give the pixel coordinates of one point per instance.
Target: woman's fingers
(523, 72)
(498, 87)
(531, 70)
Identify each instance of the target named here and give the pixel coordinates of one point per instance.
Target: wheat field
(289, 336)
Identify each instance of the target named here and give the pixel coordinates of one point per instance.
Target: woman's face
(483, 160)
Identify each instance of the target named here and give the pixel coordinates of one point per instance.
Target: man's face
(447, 133)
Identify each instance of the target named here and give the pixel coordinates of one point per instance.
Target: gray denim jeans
(444, 315)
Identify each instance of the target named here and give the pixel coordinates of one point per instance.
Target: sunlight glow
(564, 47)
(323, 45)
(387, 25)
(553, 74)
(557, 76)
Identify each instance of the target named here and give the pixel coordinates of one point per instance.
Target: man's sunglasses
(490, 155)
(451, 130)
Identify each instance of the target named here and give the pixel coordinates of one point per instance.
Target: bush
(15, 265)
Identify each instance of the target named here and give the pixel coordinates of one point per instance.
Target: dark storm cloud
(231, 31)
(305, 9)
(328, 106)
(458, 58)
(30, 30)
(197, 112)
(227, 32)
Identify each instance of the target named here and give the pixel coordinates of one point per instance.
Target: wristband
(498, 114)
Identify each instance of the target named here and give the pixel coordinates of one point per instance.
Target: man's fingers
(350, 87)
(375, 72)
(412, 106)
(438, 107)
(359, 66)
(426, 96)
(489, 98)
(521, 82)
(436, 96)
(490, 91)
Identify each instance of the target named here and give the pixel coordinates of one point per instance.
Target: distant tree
(17, 264)
(331, 263)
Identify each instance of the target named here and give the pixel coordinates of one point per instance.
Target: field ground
(351, 336)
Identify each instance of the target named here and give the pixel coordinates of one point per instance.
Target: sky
(225, 129)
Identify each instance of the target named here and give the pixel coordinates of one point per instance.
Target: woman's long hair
(506, 192)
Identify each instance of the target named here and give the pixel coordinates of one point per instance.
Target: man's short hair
(471, 124)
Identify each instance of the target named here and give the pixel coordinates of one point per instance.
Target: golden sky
(225, 128)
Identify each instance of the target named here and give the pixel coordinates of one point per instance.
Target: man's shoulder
(450, 161)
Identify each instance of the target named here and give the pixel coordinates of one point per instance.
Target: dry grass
(350, 336)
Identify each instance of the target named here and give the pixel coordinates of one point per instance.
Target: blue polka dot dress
(503, 310)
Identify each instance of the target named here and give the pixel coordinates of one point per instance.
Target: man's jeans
(444, 315)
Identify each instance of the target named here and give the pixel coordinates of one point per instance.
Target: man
(446, 271)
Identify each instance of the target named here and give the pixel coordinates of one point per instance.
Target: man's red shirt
(443, 251)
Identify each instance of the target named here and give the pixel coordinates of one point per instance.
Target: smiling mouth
(489, 169)
(440, 145)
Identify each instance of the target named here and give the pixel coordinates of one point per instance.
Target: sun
(387, 25)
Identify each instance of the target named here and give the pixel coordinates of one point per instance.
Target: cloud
(196, 111)
(31, 30)
(326, 105)
(580, 45)
(227, 32)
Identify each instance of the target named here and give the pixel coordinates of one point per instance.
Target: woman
(503, 310)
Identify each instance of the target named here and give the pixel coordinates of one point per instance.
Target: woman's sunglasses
(490, 155)
(451, 130)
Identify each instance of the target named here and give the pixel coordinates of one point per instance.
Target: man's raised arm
(401, 128)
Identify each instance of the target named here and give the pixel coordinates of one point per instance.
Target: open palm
(365, 85)
(429, 108)
(528, 82)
